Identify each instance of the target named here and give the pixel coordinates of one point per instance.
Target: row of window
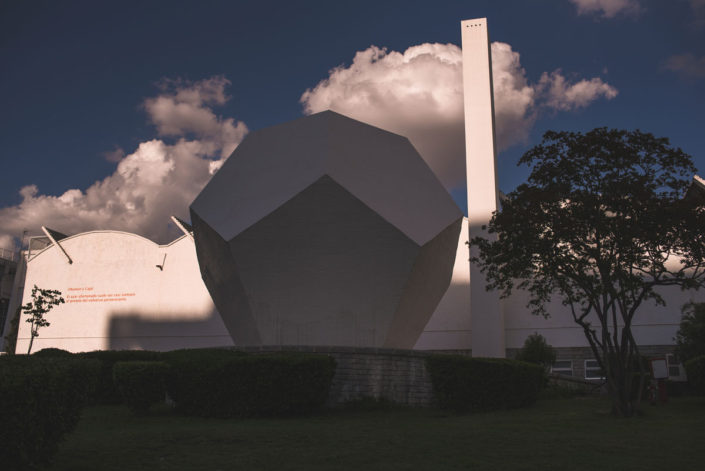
(592, 369)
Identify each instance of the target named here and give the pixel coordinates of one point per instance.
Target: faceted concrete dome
(325, 231)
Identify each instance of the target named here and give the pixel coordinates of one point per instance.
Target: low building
(121, 291)
(8, 268)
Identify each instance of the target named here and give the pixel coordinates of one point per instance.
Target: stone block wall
(399, 376)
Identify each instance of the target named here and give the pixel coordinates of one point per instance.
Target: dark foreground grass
(561, 434)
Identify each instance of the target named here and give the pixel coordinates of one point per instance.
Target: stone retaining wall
(399, 376)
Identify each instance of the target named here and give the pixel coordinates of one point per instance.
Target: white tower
(486, 314)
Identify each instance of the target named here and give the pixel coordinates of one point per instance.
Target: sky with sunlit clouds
(113, 115)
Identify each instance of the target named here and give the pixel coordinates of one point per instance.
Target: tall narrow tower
(486, 314)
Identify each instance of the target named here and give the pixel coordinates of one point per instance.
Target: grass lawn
(562, 434)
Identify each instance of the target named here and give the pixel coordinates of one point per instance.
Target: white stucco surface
(117, 297)
(451, 325)
(480, 157)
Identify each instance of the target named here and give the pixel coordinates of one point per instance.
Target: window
(593, 370)
(675, 368)
(563, 367)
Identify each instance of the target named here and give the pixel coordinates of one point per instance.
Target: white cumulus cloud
(561, 95)
(156, 180)
(185, 109)
(687, 65)
(698, 7)
(114, 155)
(607, 8)
(419, 94)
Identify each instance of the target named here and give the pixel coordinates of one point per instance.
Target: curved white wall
(118, 298)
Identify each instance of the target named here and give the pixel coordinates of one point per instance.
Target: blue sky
(114, 114)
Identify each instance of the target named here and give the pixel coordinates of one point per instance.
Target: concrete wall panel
(118, 297)
(220, 273)
(323, 269)
(425, 286)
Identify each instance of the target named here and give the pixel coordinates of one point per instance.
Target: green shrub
(468, 384)
(695, 369)
(536, 350)
(201, 355)
(676, 388)
(226, 383)
(40, 402)
(52, 353)
(141, 383)
(106, 392)
(193, 382)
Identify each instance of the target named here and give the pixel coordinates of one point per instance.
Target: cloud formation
(608, 8)
(114, 155)
(563, 96)
(184, 109)
(419, 94)
(698, 7)
(156, 180)
(687, 65)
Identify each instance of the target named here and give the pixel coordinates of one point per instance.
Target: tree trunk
(619, 385)
(625, 400)
(31, 340)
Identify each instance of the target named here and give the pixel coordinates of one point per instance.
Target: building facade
(323, 231)
(121, 291)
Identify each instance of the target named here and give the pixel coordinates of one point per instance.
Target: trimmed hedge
(695, 369)
(141, 383)
(53, 353)
(106, 391)
(467, 384)
(227, 383)
(40, 402)
(193, 383)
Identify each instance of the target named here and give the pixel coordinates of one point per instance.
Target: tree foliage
(600, 224)
(537, 350)
(43, 301)
(690, 338)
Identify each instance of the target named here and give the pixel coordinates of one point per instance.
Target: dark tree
(43, 300)
(537, 350)
(690, 338)
(601, 224)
